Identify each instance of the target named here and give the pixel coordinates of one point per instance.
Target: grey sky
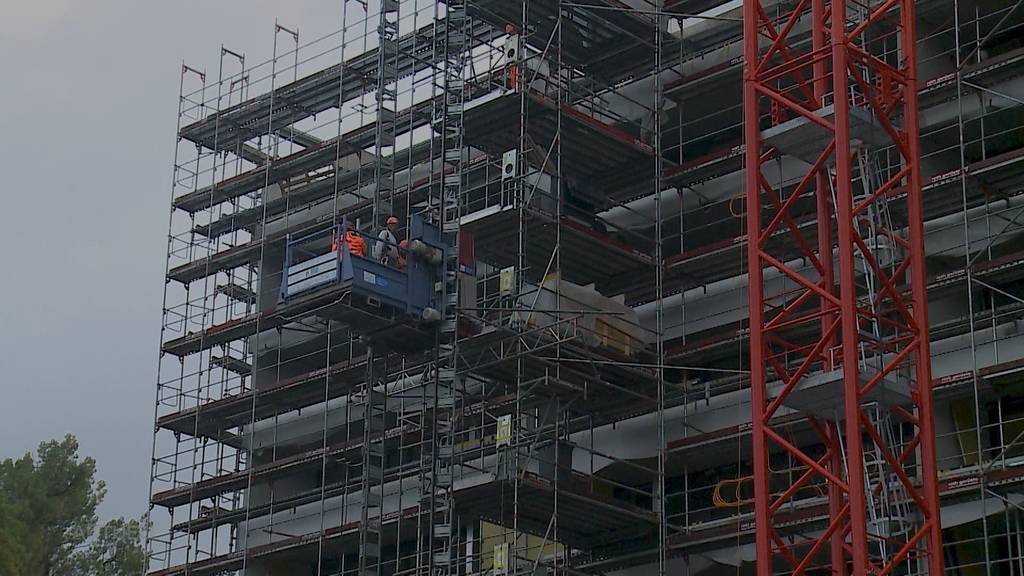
(87, 114)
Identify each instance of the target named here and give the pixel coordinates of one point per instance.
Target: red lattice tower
(837, 289)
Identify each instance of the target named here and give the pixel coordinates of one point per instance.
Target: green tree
(48, 518)
(115, 551)
(11, 552)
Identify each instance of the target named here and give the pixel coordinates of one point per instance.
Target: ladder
(375, 400)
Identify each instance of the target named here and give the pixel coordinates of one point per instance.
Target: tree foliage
(48, 518)
(115, 551)
(11, 551)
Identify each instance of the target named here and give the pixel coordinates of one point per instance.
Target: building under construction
(676, 287)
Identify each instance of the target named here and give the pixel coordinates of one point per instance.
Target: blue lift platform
(410, 289)
(396, 306)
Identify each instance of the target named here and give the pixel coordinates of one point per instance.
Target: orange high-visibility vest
(355, 243)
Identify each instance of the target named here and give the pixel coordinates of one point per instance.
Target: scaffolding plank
(313, 94)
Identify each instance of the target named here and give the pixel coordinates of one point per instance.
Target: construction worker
(386, 249)
(511, 74)
(356, 245)
(403, 250)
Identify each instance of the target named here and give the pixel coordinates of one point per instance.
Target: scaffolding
(554, 376)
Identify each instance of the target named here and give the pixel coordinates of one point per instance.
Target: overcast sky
(87, 116)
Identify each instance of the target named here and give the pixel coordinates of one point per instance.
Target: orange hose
(737, 485)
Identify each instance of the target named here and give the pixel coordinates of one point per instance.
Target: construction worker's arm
(380, 245)
(392, 247)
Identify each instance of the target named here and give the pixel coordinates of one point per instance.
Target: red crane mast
(838, 311)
